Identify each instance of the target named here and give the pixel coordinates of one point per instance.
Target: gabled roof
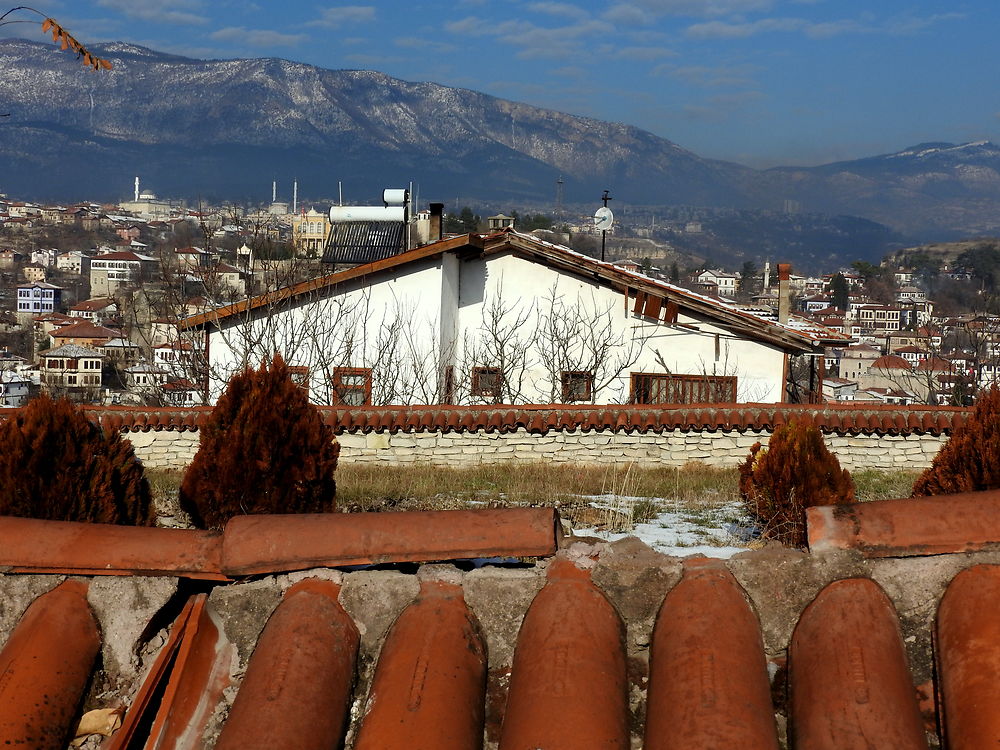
(798, 334)
(72, 350)
(93, 305)
(890, 362)
(86, 330)
(123, 255)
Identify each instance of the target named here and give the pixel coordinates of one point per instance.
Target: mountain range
(224, 129)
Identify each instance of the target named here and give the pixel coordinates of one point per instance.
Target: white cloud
(556, 9)
(703, 8)
(712, 76)
(159, 12)
(725, 30)
(423, 44)
(257, 37)
(905, 25)
(643, 53)
(343, 15)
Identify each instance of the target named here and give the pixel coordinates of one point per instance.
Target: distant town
(92, 296)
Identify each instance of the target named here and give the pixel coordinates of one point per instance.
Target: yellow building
(309, 232)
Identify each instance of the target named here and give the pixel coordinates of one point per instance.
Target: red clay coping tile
(908, 527)
(968, 661)
(707, 661)
(541, 418)
(569, 683)
(271, 544)
(850, 683)
(251, 545)
(44, 668)
(311, 643)
(429, 688)
(30, 545)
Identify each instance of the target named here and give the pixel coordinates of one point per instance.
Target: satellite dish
(603, 219)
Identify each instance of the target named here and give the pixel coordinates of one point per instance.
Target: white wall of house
(409, 322)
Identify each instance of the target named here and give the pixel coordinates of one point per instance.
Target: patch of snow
(720, 531)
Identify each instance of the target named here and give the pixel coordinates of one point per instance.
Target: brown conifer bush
(56, 464)
(970, 460)
(795, 471)
(265, 449)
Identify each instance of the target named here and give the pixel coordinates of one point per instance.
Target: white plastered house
(509, 318)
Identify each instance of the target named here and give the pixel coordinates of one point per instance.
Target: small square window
(300, 376)
(487, 381)
(577, 385)
(352, 386)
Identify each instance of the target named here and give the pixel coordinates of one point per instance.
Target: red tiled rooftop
(889, 362)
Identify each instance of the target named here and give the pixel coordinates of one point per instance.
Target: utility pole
(603, 220)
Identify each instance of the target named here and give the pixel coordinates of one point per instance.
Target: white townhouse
(509, 318)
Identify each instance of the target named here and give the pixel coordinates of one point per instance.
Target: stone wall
(164, 449)
(171, 449)
(670, 448)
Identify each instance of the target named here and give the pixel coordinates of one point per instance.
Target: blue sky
(762, 82)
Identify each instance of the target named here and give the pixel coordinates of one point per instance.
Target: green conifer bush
(795, 471)
(56, 464)
(264, 449)
(970, 460)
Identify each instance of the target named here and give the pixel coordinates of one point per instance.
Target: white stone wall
(164, 449)
(169, 449)
(670, 448)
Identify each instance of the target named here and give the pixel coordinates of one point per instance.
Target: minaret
(274, 191)
(137, 189)
(295, 197)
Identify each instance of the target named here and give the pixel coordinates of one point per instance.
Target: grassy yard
(693, 488)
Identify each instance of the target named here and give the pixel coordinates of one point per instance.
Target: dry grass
(377, 488)
(362, 487)
(872, 484)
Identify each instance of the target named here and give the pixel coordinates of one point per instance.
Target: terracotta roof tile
(429, 688)
(910, 526)
(46, 664)
(850, 682)
(970, 669)
(312, 643)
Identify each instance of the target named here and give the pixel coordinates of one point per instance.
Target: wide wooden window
(657, 388)
(487, 381)
(352, 386)
(577, 385)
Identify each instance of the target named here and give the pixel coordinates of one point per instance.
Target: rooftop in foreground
(490, 628)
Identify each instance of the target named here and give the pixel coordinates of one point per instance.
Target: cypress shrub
(56, 464)
(794, 472)
(970, 460)
(264, 449)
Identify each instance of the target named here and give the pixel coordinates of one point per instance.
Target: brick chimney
(437, 222)
(784, 291)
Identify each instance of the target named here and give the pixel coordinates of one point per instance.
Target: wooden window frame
(300, 376)
(719, 389)
(479, 374)
(566, 378)
(339, 388)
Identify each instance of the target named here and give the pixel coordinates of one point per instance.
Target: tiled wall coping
(842, 419)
